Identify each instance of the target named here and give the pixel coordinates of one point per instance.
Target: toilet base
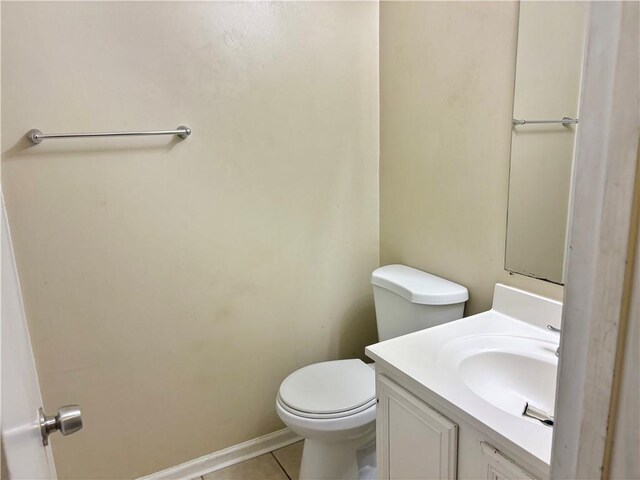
(347, 460)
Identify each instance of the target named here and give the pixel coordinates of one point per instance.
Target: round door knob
(67, 421)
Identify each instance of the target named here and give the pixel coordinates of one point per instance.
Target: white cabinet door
(413, 440)
(23, 455)
(499, 467)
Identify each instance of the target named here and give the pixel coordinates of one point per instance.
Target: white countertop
(430, 358)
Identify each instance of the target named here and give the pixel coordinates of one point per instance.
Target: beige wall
(625, 435)
(171, 285)
(446, 97)
(548, 68)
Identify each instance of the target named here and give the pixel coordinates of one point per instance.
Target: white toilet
(333, 404)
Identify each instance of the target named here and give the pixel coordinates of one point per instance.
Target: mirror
(551, 39)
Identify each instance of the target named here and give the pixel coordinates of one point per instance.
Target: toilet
(332, 405)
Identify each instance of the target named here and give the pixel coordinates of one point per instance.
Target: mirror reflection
(551, 38)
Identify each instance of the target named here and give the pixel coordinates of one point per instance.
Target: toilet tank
(408, 300)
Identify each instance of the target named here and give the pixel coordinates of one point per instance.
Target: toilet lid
(329, 387)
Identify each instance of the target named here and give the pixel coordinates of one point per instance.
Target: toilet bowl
(332, 405)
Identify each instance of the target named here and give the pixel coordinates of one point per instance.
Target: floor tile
(290, 458)
(263, 467)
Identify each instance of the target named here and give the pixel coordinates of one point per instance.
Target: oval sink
(505, 371)
(509, 380)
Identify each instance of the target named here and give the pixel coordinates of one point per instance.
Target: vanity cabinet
(413, 440)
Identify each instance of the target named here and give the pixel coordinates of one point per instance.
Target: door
(23, 454)
(413, 440)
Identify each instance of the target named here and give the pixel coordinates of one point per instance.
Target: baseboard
(227, 457)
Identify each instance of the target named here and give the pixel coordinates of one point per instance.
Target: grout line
(280, 465)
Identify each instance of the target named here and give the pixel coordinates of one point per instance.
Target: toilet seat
(329, 390)
(341, 427)
(320, 416)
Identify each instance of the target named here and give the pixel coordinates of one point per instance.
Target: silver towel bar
(566, 121)
(36, 136)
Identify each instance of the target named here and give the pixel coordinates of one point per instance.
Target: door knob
(67, 421)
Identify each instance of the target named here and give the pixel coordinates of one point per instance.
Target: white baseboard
(227, 457)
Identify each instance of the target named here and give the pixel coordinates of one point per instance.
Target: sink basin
(505, 371)
(508, 381)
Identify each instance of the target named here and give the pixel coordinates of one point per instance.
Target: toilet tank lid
(418, 286)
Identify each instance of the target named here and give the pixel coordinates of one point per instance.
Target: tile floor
(282, 464)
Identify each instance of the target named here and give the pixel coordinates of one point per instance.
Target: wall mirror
(551, 39)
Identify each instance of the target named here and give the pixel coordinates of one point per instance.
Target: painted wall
(446, 98)
(625, 438)
(171, 285)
